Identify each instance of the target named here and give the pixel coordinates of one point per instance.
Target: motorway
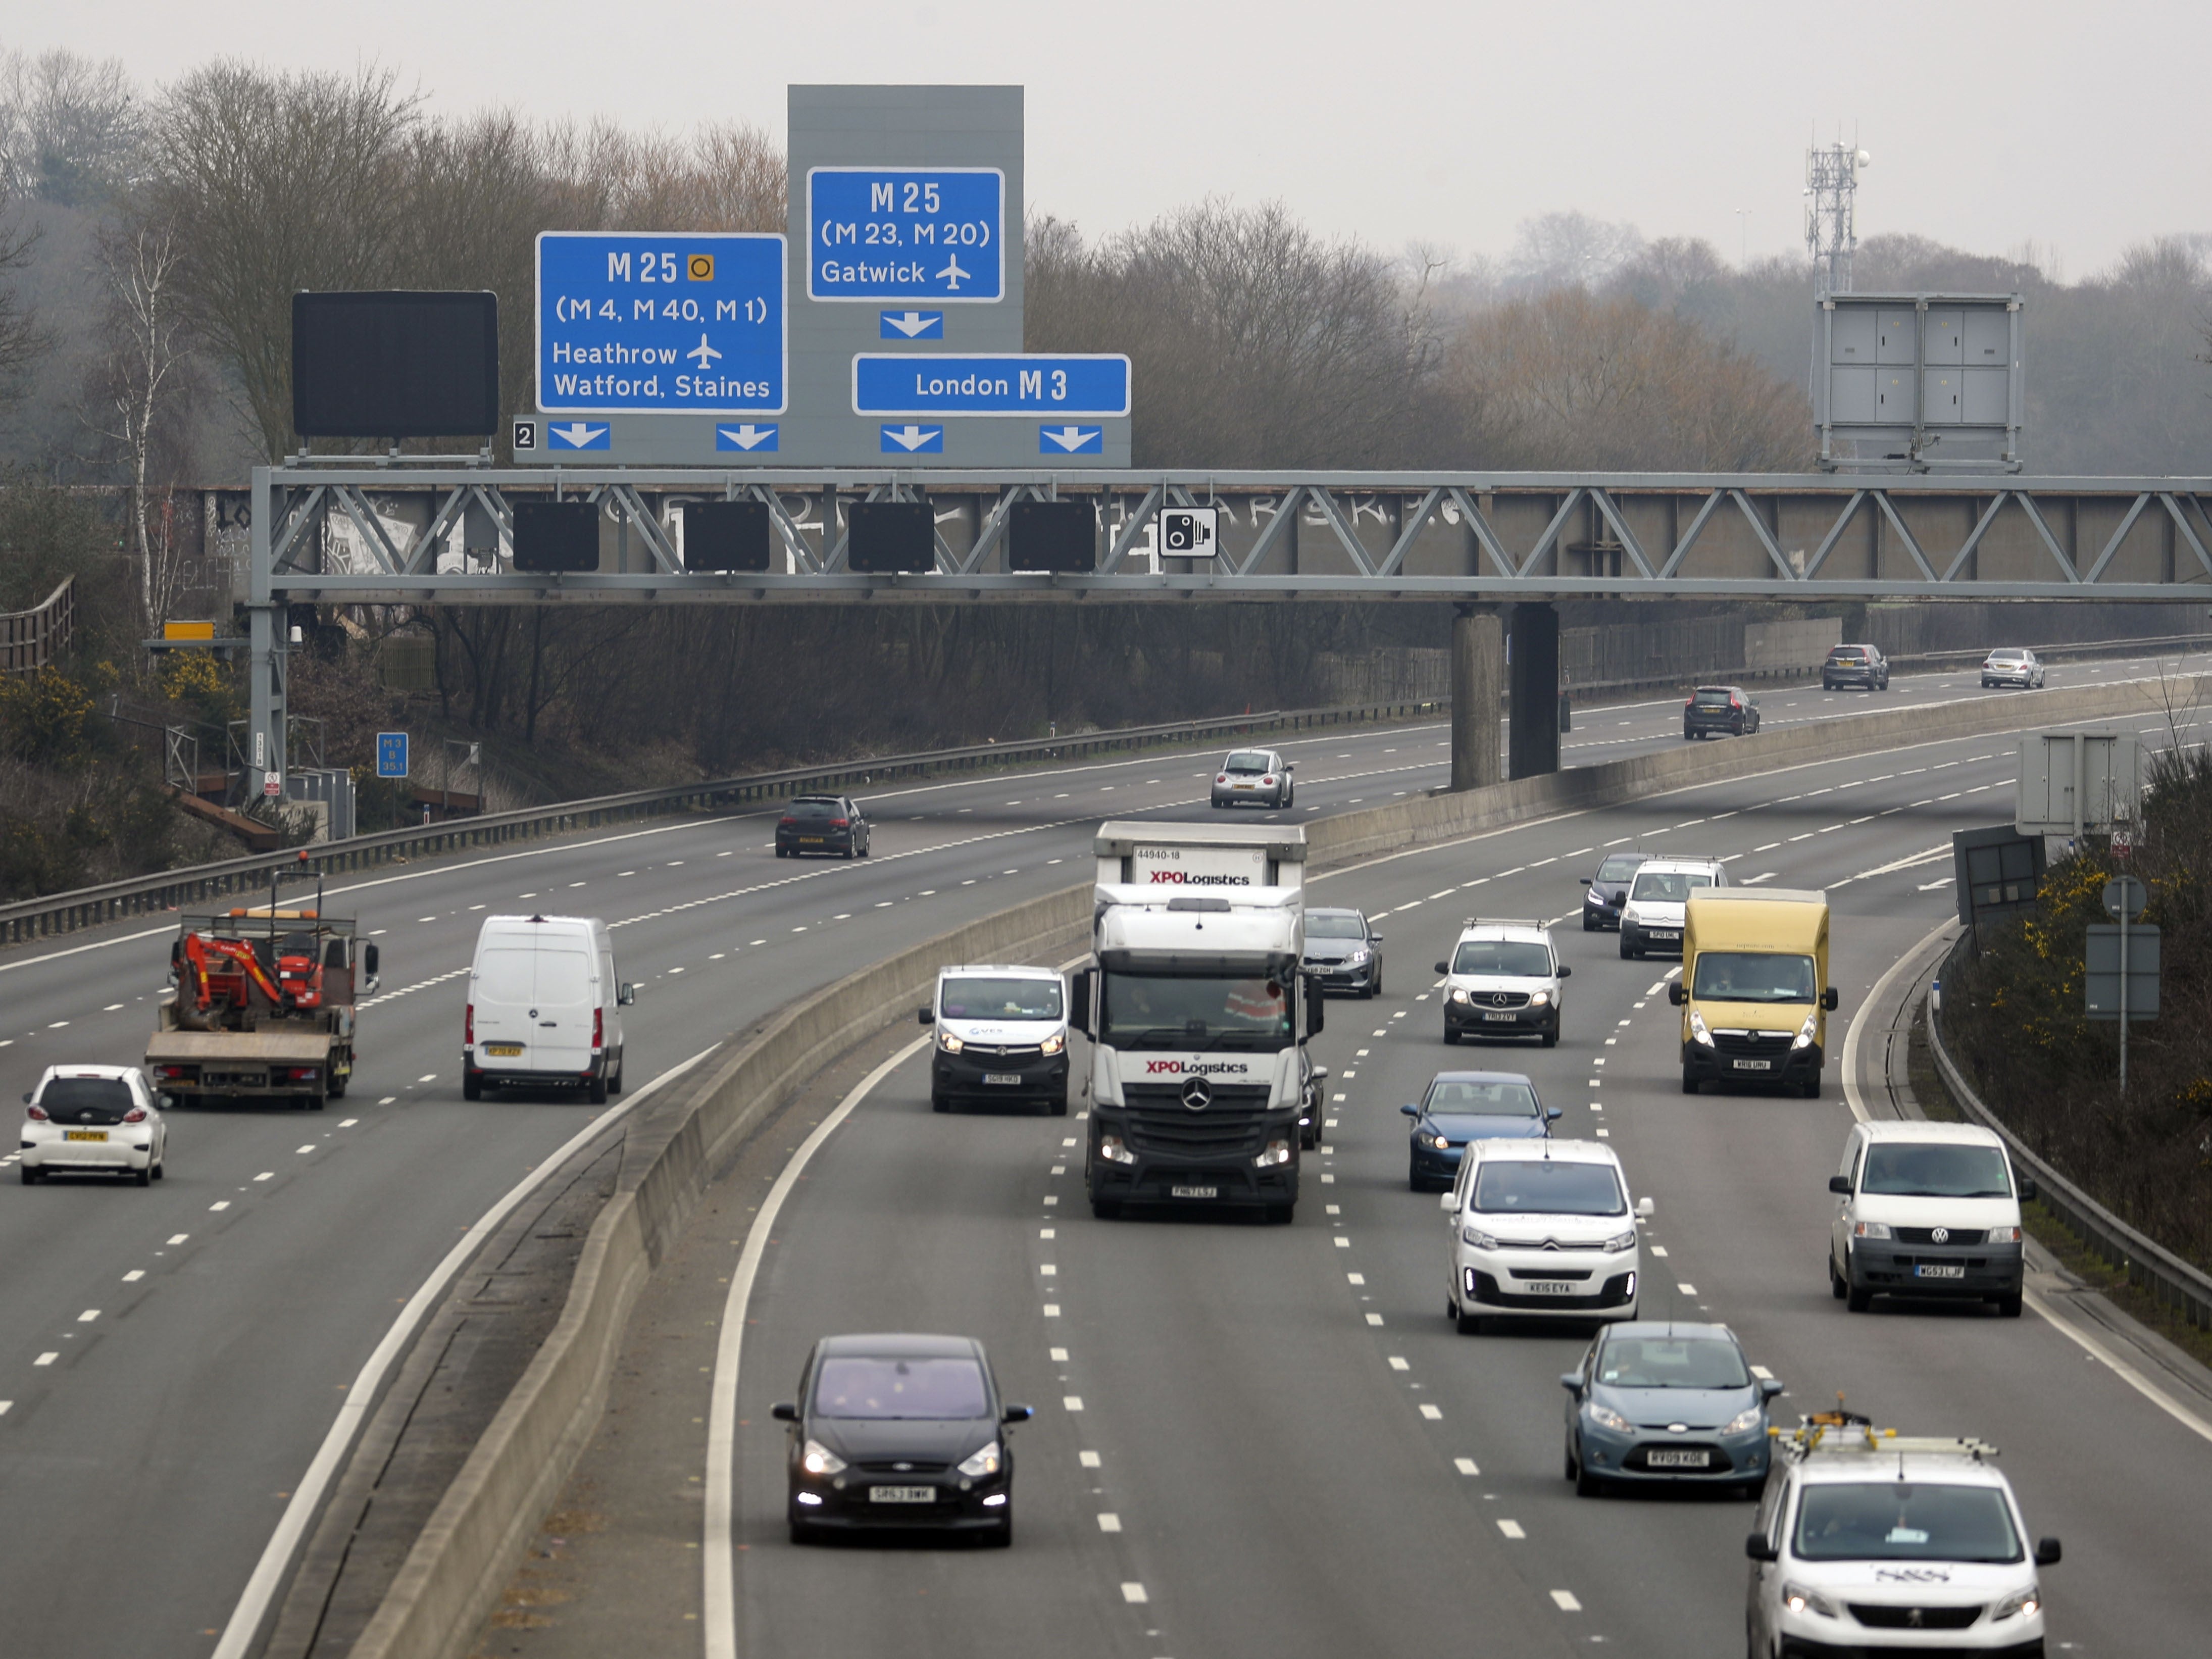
(174, 1356)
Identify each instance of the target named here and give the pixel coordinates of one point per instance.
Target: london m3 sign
(661, 323)
(925, 384)
(934, 233)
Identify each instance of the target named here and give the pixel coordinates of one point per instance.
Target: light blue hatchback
(1665, 1402)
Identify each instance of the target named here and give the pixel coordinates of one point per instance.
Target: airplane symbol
(953, 273)
(702, 353)
(913, 324)
(911, 438)
(747, 436)
(578, 435)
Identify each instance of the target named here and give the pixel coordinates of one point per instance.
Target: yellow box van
(1754, 992)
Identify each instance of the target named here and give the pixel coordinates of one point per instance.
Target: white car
(93, 1119)
(1870, 1542)
(1926, 1209)
(1503, 980)
(1651, 916)
(2013, 667)
(1541, 1229)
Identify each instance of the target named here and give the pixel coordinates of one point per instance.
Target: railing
(2149, 1265)
(30, 639)
(90, 907)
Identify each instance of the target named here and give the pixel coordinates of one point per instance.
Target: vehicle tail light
(599, 1028)
(1223, 778)
(176, 1071)
(841, 824)
(301, 1074)
(786, 822)
(1733, 703)
(469, 1023)
(136, 1114)
(1269, 779)
(38, 1114)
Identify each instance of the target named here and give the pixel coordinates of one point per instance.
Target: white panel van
(545, 1008)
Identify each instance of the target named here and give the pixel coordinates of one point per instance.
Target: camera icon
(1189, 532)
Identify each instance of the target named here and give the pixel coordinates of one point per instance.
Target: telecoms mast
(1832, 188)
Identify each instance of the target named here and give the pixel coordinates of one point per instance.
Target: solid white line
(245, 1624)
(718, 1617)
(1851, 1038)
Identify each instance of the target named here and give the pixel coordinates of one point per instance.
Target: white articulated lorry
(1200, 1087)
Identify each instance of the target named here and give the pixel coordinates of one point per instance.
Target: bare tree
(72, 130)
(1571, 250)
(22, 342)
(136, 386)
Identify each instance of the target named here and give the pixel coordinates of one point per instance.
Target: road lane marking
(1090, 1460)
(1465, 1466)
(1565, 1601)
(134, 1275)
(45, 1359)
(1434, 1414)
(1134, 1593)
(1512, 1528)
(1109, 1522)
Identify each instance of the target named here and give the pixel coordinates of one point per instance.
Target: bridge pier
(1533, 670)
(1478, 675)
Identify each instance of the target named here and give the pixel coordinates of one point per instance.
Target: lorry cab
(545, 1007)
(1754, 991)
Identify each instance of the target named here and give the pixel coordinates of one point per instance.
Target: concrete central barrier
(453, 1576)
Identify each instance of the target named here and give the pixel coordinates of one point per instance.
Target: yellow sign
(188, 630)
(699, 267)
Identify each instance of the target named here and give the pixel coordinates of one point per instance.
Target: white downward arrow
(911, 323)
(911, 437)
(1070, 438)
(748, 436)
(576, 434)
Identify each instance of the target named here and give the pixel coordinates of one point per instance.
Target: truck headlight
(1279, 1152)
(1804, 1038)
(818, 1459)
(1112, 1149)
(1540, 999)
(1476, 1237)
(1870, 1229)
(1620, 1241)
(984, 1462)
(949, 1043)
(1698, 1031)
(1053, 1044)
(1458, 995)
(1803, 1598)
(2027, 1602)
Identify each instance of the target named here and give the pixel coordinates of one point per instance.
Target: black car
(822, 823)
(891, 1432)
(1855, 665)
(1609, 890)
(1462, 1106)
(1713, 708)
(1344, 951)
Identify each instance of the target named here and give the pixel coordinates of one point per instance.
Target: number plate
(1925, 1270)
(1002, 1077)
(504, 1050)
(1752, 1064)
(84, 1134)
(1547, 1286)
(901, 1494)
(809, 840)
(1194, 1192)
(1501, 1019)
(1665, 933)
(1678, 1460)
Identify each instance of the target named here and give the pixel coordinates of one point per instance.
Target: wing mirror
(2026, 1187)
(925, 1016)
(1552, 1115)
(1565, 972)
(1444, 968)
(368, 960)
(784, 1411)
(1449, 1203)
(1769, 1387)
(1409, 1111)
(1757, 1547)
(1841, 1184)
(1374, 938)
(1617, 900)
(1586, 881)
(1829, 1000)
(1018, 1413)
(1571, 1382)
(1645, 1209)
(626, 997)
(26, 1097)
(2048, 1551)
(1676, 994)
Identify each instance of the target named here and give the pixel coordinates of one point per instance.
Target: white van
(545, 1008)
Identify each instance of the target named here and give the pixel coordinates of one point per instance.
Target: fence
(29, 639)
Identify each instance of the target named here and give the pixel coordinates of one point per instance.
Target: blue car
(1667, 1403)
(1463, 1106)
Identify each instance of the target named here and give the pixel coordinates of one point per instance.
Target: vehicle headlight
(1698, 1031)
(1870, 1229)
(1279, 1152)
(2001, 1236)
(1053, 1044)
(1438, 1141)
(1803, 1598)
(1620, 1241)
(1804, 1039)
(984, 1462)
(1474, 1236)
(949, 1043)
(1112, 1149)
(1458, 995)
(1356, 957)
(818, 1459)
(2027, 1602)
(1540, 999)
(1744, 1421)
(1593, 896)
(1606, 1418)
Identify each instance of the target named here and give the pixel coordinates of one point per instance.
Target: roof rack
(1840, 1432)
(1503, 921)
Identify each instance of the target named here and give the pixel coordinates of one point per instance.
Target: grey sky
(2082, 127)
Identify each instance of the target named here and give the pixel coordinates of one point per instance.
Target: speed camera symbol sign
(1187, 532)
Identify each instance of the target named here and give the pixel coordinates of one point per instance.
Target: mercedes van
(1754, 992)
(545, 1008)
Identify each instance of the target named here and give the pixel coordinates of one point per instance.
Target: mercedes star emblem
(1197, 1094)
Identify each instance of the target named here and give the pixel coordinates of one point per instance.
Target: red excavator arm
(239, 967)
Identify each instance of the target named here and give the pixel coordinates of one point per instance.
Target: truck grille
(1768, 1045)
(1927, 1236)
(1876, 1617)
(986, 1051)
(1497, 999)
(1161, 1125)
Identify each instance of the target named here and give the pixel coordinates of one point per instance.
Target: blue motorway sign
(1001, 383)
(661, 323)
(392, 754)
(932, 233)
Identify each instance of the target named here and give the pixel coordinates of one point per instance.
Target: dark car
(822, 823)
(1666, 1403)
(1344, 951)
(1713, 708)
(1855, 665)
(1609, 890)
(900, 1431)
(1463, 1106)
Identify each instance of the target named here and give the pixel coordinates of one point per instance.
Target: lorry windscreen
(1752, 976)
(1159, 1011)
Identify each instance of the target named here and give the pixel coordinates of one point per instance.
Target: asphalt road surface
(174, 1355)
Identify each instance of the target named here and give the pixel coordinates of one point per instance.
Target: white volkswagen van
(545, 1008)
